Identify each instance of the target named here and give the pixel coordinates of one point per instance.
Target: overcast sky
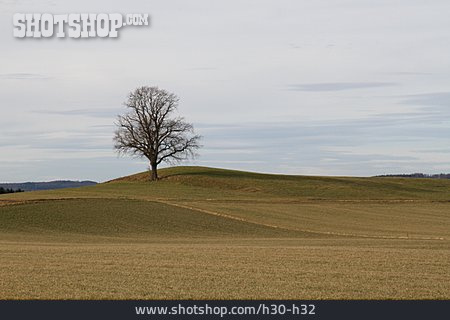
(338, 87)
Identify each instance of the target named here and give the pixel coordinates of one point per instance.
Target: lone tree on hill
(149, 129)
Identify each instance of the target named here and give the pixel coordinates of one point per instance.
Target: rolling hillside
(202, 182)
(202, 233)
(341, 206)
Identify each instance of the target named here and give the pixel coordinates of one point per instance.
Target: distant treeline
(3, 190)
(34, 186)
(419, 175)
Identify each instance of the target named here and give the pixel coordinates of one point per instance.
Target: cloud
(15, 3)
(429, 99)
(88, 112)
(338, 86)
(24, 76)
(407, 73)
(333, 92)
(432, 107)
(366, 146)
(447, 150)
(202, 68)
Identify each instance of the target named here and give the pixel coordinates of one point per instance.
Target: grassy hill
(215, 233)
(299, 187)
(377, 207)
(203, 182)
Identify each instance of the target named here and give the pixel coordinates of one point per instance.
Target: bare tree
(149, 129)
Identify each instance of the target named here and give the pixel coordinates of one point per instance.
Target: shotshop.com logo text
(74, 25)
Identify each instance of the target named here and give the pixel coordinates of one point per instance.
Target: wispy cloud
(409, 73)
(202, 68)
(24, 76)
(91, 112)
(365, 146)
(12, 3)
(429, 99)
(338, 86)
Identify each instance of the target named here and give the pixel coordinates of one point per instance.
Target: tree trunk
(154, 172)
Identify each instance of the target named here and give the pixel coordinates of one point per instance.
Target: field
(204, 233)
